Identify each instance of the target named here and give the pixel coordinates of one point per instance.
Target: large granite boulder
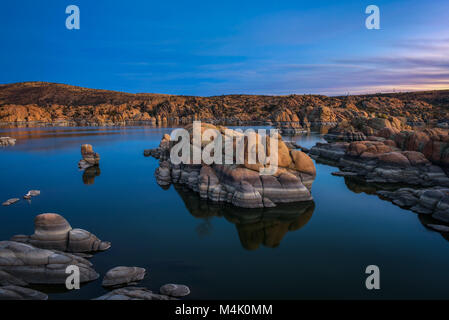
(120, 276)
(241, 184)
(53, 232)
(39, 266)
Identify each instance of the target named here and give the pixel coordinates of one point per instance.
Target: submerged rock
(10, 201)
(90, 158)
(52, 231)
(39, 266)
(19, 293)
(120, 276)
(175, 290)
(133, 293)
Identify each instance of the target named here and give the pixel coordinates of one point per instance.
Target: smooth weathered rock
(12, 292)
(433, 201)
(242, 184)
(175, 290)
(10, 201)
(133, 293)
(52, 231)
(120, 276)
(39, 266)
(7, 279)
(7, 141)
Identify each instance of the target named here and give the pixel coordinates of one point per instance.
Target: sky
(228, 47)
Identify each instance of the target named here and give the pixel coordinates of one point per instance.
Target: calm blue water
(315, 250)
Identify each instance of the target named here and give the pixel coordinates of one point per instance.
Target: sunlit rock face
(255, 227)
(240, 184)
(90, 158)
(53, 232)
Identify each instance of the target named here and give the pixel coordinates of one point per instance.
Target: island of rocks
(241, 185)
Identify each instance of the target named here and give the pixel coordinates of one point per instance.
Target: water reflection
(255, 227)
(90, 174)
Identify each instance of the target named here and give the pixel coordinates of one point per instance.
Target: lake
(316, 250)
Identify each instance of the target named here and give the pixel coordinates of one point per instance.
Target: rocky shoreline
(44, 257)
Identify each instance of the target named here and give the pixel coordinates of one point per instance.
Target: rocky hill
(51, 103)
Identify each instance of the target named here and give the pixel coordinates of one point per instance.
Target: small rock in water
(10, 201)
(175, 290)
(31, 193)
(7, 141)
(120, 276)
(20, 293)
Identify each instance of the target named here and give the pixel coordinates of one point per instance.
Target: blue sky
(213, 48)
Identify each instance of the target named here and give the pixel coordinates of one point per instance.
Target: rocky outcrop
(12, 292)
(378, 162)
(90, 174)
(53, 232)
(39, 266)
(7, 141)
(175, 290)
(242, 185)
(133, 293)
(90, 158)
(121, 276)
(431, 201)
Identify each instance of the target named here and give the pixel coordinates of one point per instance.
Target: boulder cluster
(43, 258)
(394, 156)
(241, 185)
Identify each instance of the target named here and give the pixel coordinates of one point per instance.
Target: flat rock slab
(344, 174)
(10, 201)
(20, 293)
(175, 290)
(120, 276)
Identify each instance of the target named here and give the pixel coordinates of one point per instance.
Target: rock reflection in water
(90, 174)
(255, 227)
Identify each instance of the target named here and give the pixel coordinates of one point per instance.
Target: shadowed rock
(52, 231)
(120, 276)
(39, 266)
(175, 290)
(133, 293)
(19, 293)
